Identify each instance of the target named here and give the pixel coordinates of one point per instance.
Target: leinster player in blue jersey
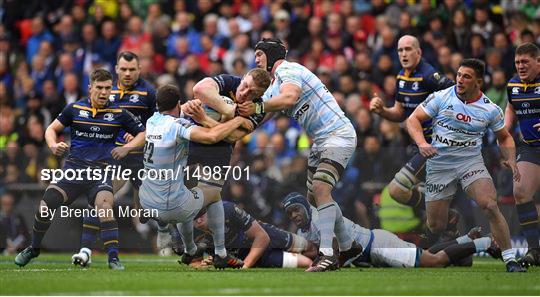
(461, 115)
(416, 80)
(132, 93)
(301, 95)
(95, 124)
(524, 97)
(259, 244)
(165, 159)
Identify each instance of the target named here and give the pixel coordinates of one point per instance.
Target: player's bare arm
(219, 132)
(51, 137)
(395, 113)
(193, 108)
(261, 240)
(287, 97)
(414, 127)
(207, 90)
(122, 151)
(509, 117)
(508, 151)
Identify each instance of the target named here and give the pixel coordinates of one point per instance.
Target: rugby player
(416, 80)
(95, 124)
(382, 248)
(301, 95)
(462, 114)
(165, 159)
(133, 93)
(259, 244)
(524, 97)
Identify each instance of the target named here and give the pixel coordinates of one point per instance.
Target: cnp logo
(463, 117)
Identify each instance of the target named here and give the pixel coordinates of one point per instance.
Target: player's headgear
(274, 49)
(297, 199)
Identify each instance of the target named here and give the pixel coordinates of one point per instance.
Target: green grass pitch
(53, 274)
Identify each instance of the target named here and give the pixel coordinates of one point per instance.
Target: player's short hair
(167, 97)
(128, 56)
(262, 79)
(477, 65)
(100, 74)
(528, 48)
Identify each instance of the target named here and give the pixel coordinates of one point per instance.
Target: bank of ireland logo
(525, 104)
(94, 129)
(108, 117)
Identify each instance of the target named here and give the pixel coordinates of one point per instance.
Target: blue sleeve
(66, 116)
(436, 81)
(227, 83)
(240, 219)
(151, 99)
(131, 123)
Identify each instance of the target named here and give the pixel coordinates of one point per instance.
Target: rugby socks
(528, 219)
(441, 246)
(216, 224)
(509, 255)
(109, 236)
(90, 230)
(463, 239)
(456, 252)
(327, 221)
(345, 240)
(186, 232)
(42, 222)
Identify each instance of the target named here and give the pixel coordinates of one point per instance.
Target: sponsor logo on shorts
(435, 188)
(471, 174)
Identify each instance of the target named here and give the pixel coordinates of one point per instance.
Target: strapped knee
(405, 179)
(329, 175)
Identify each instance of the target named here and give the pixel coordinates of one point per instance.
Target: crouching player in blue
(260, 244)
(165, 157)
(94, 126)
(382, 248)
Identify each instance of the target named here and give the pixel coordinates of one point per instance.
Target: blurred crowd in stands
(48, 48)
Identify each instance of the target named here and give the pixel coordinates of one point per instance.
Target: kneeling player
(382, 248)
(165, 156)
(259, 244)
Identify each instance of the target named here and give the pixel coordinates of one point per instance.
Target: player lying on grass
(258, 244)
(165, 158)
(382, 248)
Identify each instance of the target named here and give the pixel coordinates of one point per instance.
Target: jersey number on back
(148, 152)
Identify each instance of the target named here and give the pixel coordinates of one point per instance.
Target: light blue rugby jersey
(316, 110)
(458, 127)
(165, 152)
(360, 234)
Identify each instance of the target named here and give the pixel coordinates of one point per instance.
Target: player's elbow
(200, 90)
